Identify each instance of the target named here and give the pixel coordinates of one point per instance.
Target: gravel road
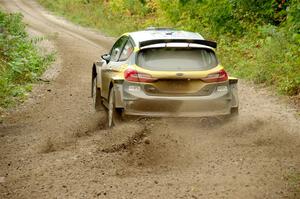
(56, 146)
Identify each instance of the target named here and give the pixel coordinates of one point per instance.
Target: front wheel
(114, 114)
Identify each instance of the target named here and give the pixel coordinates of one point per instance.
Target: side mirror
(106, 57)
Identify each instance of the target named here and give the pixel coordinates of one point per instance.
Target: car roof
(162, 34)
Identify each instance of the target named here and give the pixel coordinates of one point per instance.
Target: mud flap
(118, 88)
(234, 90)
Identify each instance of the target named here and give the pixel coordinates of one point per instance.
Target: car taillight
(132, 75)
(220, 76)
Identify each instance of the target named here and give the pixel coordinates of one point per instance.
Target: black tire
(114, 115)
(234, 111)
(96, 94)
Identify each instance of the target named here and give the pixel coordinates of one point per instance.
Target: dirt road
(55, 146)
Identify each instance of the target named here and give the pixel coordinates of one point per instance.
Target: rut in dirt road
(57, 146)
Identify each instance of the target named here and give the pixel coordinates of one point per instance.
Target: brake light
(220, 76)
(132, 75)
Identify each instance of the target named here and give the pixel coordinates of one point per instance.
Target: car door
(109, 69)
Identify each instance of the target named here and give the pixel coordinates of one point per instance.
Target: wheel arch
(94, 74)
(94, 71)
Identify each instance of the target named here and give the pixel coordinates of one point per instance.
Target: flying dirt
(56, 146)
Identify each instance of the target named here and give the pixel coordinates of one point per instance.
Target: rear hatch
(175, 71)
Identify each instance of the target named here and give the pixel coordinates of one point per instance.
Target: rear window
(177, 59)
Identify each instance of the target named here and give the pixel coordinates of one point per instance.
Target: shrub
(259, 40)
(20, 61)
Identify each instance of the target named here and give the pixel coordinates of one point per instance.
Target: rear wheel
(234, 113)
(97, 99)
(114, 115)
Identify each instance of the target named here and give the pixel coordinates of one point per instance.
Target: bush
(258, 39)
(20, 62)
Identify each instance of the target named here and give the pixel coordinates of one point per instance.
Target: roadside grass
(256, 41)
(93, 14)
(21, 63)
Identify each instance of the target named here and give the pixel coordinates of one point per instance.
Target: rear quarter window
(126, 52)
(177, 59)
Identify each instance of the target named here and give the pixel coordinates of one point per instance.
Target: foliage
(20, 62)
(268, 58)
(259, 40)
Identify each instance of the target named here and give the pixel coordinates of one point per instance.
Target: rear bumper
(138, 103)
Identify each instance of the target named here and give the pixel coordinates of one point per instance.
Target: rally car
(162, 72)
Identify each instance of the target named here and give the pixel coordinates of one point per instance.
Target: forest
(258, 40)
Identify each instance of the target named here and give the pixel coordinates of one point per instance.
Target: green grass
(94, 15)
(20, 61)
(258, 40)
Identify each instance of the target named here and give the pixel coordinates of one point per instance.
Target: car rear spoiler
(194, 41)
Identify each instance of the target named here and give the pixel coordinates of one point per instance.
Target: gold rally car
(162, 73)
